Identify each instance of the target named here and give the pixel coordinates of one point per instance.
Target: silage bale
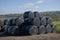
(19, 21)
(40, 20)
(49, 20)
(53, 28)
(43, 21)
(13, 30)
(29, 30)
(36, 14)
(10, 22)
(5, 21)
(28, 14)
(6, 28)
(42, 29)
(1, 22)
(48, 28)
(32, 21)
(36, 21)
(46, 20)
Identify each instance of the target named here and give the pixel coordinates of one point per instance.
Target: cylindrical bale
(5, 21)
(32, 21)
(36, 14)
(13, 30)
(14, 21)
(53, 28)
(49, 20)
(48, 28)
(36, 22)
(10, 22)
(10, 29)
(40, 20)
(28, 21)
(29, 30)
(1, 22)
(42, 29)
(28, 14)
(19, 21)
(43, 21)
(6, 28)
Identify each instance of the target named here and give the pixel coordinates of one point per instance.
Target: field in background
(57, 26)
(55, 15)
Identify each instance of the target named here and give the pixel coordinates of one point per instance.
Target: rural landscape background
(55, 15)
(16, 8)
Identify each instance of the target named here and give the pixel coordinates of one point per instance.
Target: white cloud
(30, 6)
(27, 5)
(21, 8)
(39, 1)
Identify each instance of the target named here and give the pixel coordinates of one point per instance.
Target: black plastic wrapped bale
(36, 22)
(42, 29)
(28, 21)
(5, 21)
(13, 30)
(6, 28)
(32, 21)
(2, 25)
(19, 21)
(40, 20)
(1, 22)
(29, 30)
(49, 20)
(28, 14)
(10, 22)
(43, 21)
(53, 28)
(48, 28)
(36, 14)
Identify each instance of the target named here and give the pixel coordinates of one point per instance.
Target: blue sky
(20, 6)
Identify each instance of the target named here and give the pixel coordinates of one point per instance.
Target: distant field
(57, 26)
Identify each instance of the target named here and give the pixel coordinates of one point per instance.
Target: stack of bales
(12, 26)
(32, 20)
(32, 24)
(28, 14)
(42, 23)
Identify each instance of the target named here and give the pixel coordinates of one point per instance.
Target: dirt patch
(50, 36)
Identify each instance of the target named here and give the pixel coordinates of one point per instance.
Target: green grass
(57, 26)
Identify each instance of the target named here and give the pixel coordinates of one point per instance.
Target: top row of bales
(29, 14)
(36, 18)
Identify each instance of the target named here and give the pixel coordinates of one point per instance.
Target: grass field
(57, 26)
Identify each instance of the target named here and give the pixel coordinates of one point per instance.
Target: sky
(20, 6)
